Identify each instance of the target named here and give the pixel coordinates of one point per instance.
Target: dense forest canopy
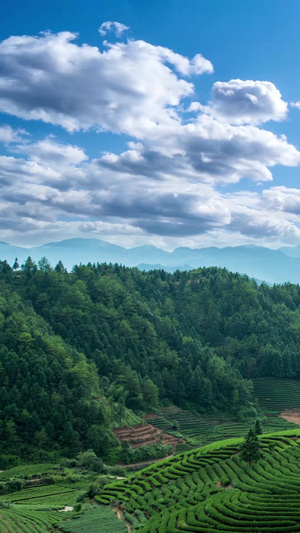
(77, 349)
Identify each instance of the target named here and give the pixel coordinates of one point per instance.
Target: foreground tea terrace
(212, 490)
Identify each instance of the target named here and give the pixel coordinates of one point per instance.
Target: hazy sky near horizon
(165, 122)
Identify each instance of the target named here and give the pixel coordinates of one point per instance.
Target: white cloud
(53, 184)
(256, 216)
(247, 102)
(283, 199)
(9, 135)
(206, 150)
(107, 228)
(186, 67)
(265, 225)
(50, 152)
(166, 187)
(17, 171)
(129, 87)
(116, 27)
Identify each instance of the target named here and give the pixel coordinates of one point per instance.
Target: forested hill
(77, 348)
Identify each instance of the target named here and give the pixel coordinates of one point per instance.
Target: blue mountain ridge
(273, 266)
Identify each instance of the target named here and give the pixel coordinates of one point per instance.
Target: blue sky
(175, 124)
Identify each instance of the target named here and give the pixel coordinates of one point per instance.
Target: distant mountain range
(264, 264)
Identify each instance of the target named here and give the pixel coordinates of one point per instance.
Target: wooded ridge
(81, 349)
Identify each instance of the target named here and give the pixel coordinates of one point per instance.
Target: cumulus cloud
(117, 27)
(283, 199)
(170, 183)
(50, 184)
(247, 102)
(129, 87)
(168, 207)
(228, 153)
(92, 200)
(265, 225)
(17, 171)
(144, 162)
(256, 216)
(206, 150)
(53, 153)
(148, 192)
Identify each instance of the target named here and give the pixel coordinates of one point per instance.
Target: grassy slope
(97, 520)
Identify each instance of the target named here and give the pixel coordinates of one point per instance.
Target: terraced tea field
(277, 394)
(26, 520)
(211, 490)
(26, 471)
(49, 496)
(31, 520)
(37, 507)
(186, 430)
(199, 431)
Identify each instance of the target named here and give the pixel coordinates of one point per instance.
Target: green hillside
(81, 351)
(212, 490)
(104, 346)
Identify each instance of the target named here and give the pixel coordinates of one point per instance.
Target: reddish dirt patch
(146, 417)
(144, 435)
(293, 415)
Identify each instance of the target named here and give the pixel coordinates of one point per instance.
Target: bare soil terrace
(292, 415)
(144, 435)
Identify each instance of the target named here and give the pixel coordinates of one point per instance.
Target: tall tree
(16, 264)
(250, 448)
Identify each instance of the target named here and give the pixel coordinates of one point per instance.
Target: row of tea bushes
(210, 489)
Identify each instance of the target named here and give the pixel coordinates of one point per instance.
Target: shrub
(69, 463)
(77, 507)
(89, 461)
(4, 505)
(12, 485)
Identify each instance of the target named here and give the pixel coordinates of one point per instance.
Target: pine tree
(257, 427)
(250, 448)
(60, 268)
(16, 264)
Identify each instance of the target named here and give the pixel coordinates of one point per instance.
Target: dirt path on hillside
(120, 516)
(293, 415)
